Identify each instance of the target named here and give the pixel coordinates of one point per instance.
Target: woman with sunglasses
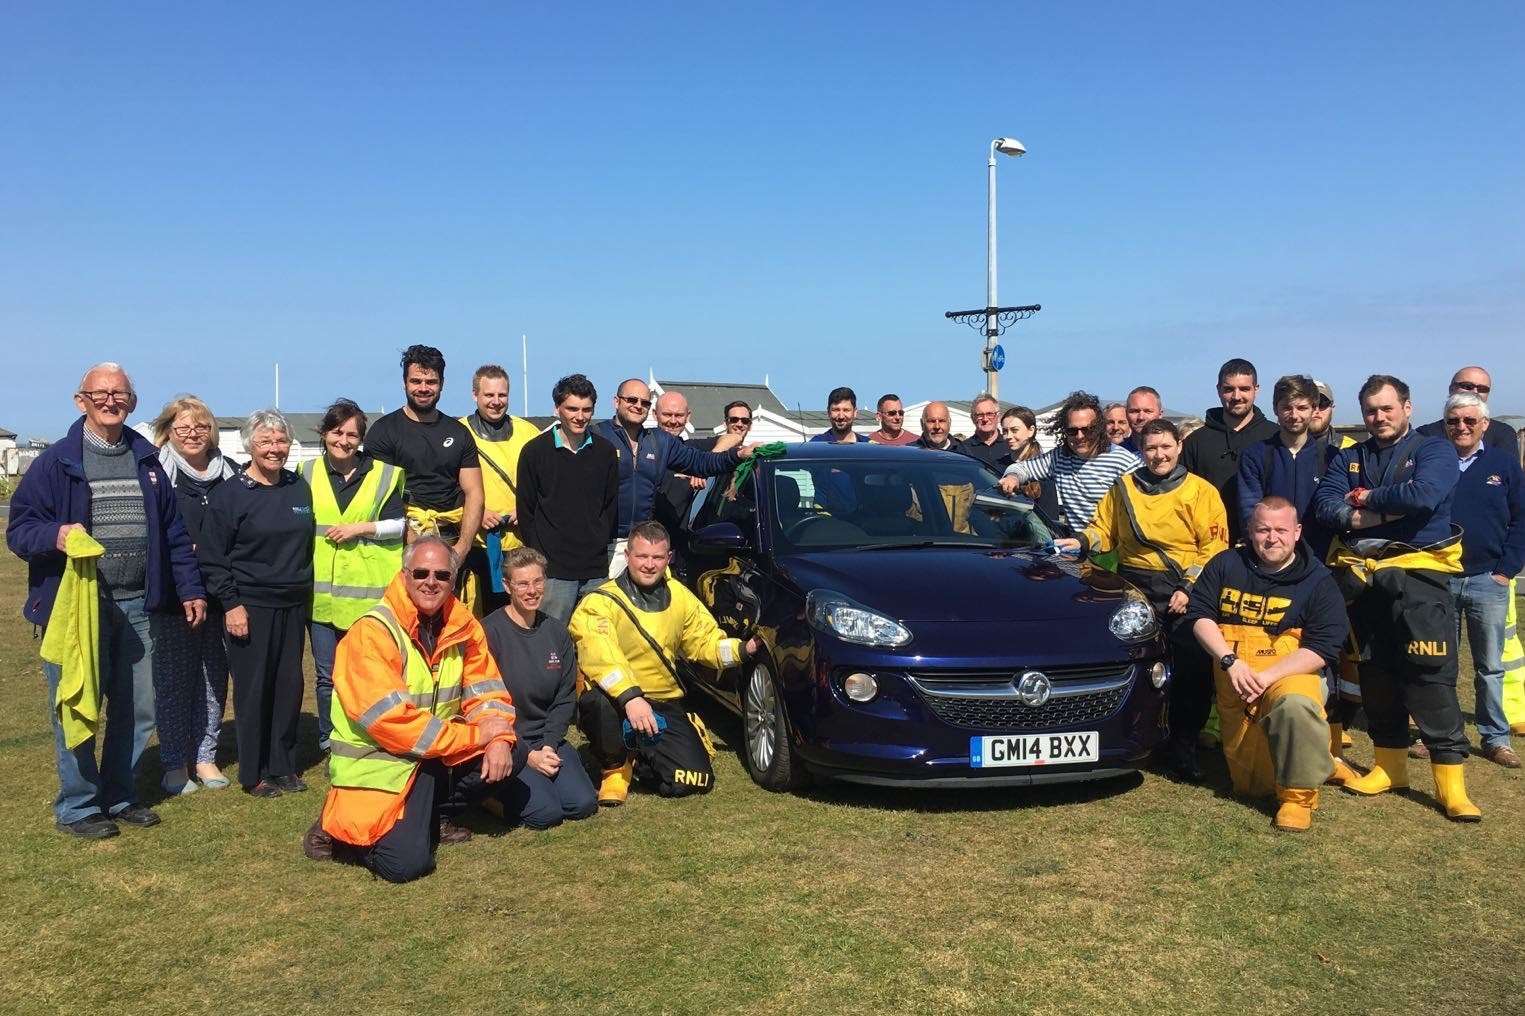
(357, 505)
(256, 553)
(190, 664)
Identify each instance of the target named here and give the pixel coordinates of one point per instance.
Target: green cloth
(72, 641)
(772, 450)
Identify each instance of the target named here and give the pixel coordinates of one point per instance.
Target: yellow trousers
(1282, 738)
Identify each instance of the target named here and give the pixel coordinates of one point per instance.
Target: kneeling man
(1272, 618)
(423, 724)
(630, 631)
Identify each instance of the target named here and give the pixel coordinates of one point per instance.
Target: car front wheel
(770, 754)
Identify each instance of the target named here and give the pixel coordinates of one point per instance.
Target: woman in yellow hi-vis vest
(357, 504)
(499, 437)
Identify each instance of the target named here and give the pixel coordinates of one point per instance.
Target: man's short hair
(488, 370)
(1377, 382)
(1233, 368)
(522, 557)
(984, 397)
(886, 397)
(106, 367)
(1295, 386)
(575, 385)
(426, 357)
(1274, 503)
(410, 553)
(1465, 400)
(1145, 390)
(738, 404)
(1158, 425)
(843, 394)
(651, 531)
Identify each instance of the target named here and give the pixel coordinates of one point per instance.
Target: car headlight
(851, 621)
(1134, 620)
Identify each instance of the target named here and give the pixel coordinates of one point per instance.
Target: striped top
(1079, 483)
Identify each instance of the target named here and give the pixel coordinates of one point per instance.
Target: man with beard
(1323, 418)
(1213, 452)
(842, 412)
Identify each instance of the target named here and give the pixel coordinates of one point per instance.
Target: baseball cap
(1323, 390)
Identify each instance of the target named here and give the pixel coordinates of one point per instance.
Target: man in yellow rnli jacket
(422, 722)
(500, 437)
(1271, 617)
(630, 632)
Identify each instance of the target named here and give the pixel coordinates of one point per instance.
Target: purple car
(917, 628)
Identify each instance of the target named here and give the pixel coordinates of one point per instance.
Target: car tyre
(767, 749)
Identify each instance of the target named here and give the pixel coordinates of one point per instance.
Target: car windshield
(938, 500)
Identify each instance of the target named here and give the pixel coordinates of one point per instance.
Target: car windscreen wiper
(918, 544)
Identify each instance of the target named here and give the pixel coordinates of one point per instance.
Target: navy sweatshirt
(1412, 484)
(1235, 588)
(256, 542)
(642, 473)
(1269, 468)
(1490, 508)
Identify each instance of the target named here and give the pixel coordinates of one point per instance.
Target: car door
(728, 578)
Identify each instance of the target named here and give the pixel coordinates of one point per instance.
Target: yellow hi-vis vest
(500, 471)
(349, 579)
(1514, 664)
(354, 759)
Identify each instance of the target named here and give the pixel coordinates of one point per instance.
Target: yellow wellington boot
(1451, 788)
(1391, 772)
(615, 786)
(1295, 813)
(1517, 729)
(1342, 774)
(1338, 739)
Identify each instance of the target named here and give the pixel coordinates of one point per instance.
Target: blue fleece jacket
(55, 493)
(1270, 469)
(1411, 483)
(1490, 508)
(642, 475)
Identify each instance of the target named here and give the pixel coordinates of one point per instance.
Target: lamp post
(994, 316)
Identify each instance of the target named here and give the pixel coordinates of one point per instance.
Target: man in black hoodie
(1212, 452)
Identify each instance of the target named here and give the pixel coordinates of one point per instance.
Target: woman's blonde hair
(183, 404)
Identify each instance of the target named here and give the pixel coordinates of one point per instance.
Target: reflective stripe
(1511, 632)
(428, 737)
(385, 488)
(345, 750)
(322, 529)
(1515, 664)
(727, 653)
(349, 592)
(391, 700)
(609, 680)
(491, 706)
(437, 697)
(1194, 572)
(483, 687)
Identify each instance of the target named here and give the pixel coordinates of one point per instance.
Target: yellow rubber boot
(1342, 774)
(1451, 788)
(615, 786)
(1338, 739)
(1391, 772)
(1295, 812)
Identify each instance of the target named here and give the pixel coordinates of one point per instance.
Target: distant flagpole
(277, 386)
(524, 341)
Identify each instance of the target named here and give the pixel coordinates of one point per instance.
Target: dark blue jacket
(641, 477)
(1269, 469)
(55, 493)
(1490, 508)
(1415, 491)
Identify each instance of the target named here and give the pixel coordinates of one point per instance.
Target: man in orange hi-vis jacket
(422, 722)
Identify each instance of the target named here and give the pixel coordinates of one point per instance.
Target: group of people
(469, 588)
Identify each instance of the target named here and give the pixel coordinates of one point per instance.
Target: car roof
(814, 450)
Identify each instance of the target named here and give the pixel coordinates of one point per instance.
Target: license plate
(1034, 749)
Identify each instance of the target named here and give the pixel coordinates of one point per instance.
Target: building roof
(707, 400)
(304, 426)
(7, 433)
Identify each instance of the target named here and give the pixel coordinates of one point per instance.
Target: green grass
(1132, 896)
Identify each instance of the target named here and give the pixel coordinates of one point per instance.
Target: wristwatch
(1227, 661)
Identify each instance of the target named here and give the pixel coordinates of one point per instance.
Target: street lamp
(995, 317)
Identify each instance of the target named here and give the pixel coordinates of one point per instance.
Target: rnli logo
(690, 778)
(447, 442)
(1034, 689)
(1429, 647)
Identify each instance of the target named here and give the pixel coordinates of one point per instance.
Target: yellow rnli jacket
(612, 654)
(500, 469)
(1188, 522)
(72, 640)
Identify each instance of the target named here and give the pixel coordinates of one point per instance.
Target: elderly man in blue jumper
(1490, 508)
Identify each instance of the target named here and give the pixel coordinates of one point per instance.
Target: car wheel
(768, 751)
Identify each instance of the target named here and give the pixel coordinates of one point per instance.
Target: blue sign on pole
(997, 358)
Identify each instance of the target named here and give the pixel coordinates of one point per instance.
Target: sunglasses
(1077, 431)
(1473, 386)
(893, 412)
(1457, 421)
(631, 400)
(440, 574)
(738, 419)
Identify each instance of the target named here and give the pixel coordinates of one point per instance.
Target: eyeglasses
(272, 442)
(631, 400)
(893, 412)
(102, 396)
(984, 416)
(1457, 421)
(440, 574)
(527, 584)
(191, 431)
(1077, 431)
(738, 419)
(1472, 386)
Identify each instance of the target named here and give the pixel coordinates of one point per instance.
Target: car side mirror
(721, 536)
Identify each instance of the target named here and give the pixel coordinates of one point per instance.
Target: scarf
(1148, 483)
(219, 468)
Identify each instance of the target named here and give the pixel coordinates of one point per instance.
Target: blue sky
(728, 191)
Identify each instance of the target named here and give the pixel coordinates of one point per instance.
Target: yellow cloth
(427, 520)
(1245, 747)
(1514, 664)
(73, 640)
(1189, 524)
(500, 460)
(1445, 559)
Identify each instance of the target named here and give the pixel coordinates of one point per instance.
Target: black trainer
(264, 788)
(91, 827)
(289, 784)
(139, 815)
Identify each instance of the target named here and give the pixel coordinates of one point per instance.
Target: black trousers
(677, 765)
(1191, 690)
(1405, 626)
(267, 691)
(406, 851)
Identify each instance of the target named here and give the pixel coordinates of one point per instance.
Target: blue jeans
(325, 645)
(1481, 604)
(538, 801)
(127, 684)
(561, 596)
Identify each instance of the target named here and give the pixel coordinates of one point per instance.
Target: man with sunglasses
(1476, 381)
(891, 416)
(104, 479)
(645, 457)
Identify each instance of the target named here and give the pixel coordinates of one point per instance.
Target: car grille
(1002, 712)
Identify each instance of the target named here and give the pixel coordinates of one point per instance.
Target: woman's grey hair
(1466, 400)
(431, 540)
(264, 419)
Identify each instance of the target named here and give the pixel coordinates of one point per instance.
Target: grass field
(1132, 896)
